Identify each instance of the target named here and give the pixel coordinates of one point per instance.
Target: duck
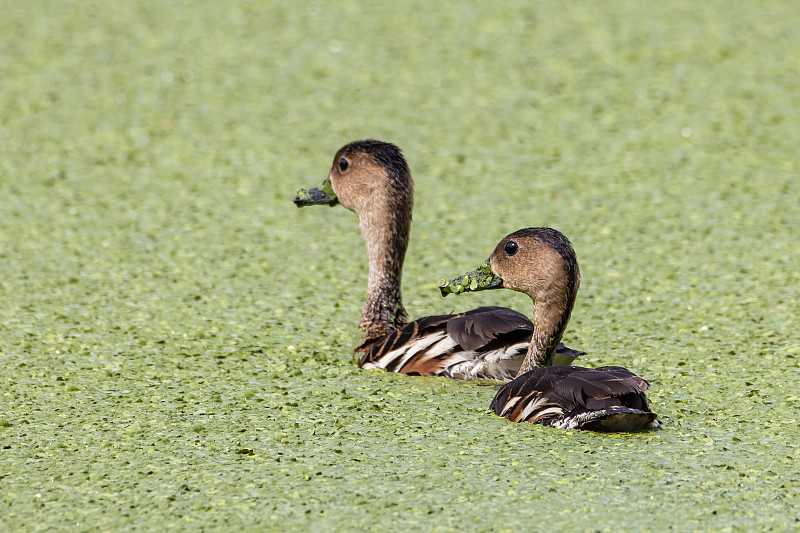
(372, 179)
(541, 263)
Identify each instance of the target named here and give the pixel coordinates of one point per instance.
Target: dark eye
(343, 164)
(511, 248)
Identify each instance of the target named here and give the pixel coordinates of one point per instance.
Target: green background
(176, 336)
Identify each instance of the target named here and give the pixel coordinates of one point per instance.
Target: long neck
(386, 246)
(552, 308)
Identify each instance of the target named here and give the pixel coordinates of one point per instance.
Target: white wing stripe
(515, 351)
(534, 404)
(408, 351)
(550, 411)
(511, 403)
(447, 343)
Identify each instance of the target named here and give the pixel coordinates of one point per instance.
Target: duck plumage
(608, 398)
(484, 343)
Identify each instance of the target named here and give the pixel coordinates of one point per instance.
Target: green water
(176, 336)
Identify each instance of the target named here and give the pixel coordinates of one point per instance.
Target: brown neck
(552, 308)
(386, 246)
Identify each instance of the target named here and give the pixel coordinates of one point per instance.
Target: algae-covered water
(176, 336)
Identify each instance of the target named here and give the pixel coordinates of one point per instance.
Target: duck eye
(343, 164)
(511, 248)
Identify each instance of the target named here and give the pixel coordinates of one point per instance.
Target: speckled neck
(547, 334)
(386, 241)
(376, 184)
(552, 308)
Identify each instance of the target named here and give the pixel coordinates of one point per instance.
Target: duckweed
(323, 195)
(478, 279)
(176, 337)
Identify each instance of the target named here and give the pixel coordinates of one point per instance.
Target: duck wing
(478, 328)
(484, 343)
(609, 398)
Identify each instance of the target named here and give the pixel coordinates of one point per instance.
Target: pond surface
(176, 337)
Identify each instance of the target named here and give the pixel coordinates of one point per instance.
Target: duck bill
(480, 279)
(316, 196)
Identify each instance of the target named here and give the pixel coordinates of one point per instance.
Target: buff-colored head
(370, 178)
(538, 262)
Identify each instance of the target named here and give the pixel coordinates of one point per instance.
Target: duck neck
(386, 245)
(546, 336)
(551, 311)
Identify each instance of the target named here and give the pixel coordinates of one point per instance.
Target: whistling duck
(541, 263)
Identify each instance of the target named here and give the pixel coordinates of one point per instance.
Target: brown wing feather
(577, 384)
(477, 331)
(477, 328)
(374, 349)
(559, 391)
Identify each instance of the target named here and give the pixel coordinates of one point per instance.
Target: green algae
(316, 196)
(480, 279)
(165, 307)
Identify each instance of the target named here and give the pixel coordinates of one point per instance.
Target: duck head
(541, 263)
(366, 176)
(534, 261)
